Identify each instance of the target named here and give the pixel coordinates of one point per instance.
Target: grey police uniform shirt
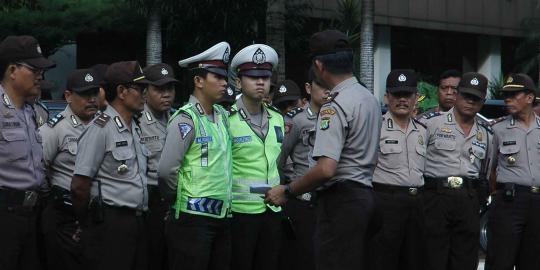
(153, 137)
(348, 131)
(42, 113)
(518, 152)
(402, 154)
(296, 145)
(103, 150)
(452, 153)
(60, 136)
(180, 136)
(21, 152)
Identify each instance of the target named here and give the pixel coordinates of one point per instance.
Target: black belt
(413, 191)
(343, 184)
(15, 197)
(520, 188)
(126, 210)
(451, 182)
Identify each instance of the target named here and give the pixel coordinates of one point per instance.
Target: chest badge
(420, 140)
(479, 136)
(123, 168)
(8, 114)
(446, 130)
(511, 160)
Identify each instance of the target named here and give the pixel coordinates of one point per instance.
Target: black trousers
(256, 240)
(198, 242)
(344, 213)
(18, 238)
(297, 252)
(157, 256)
(118, 243)
(400, 242)
(514, 232)
(61, 239)
(452, 229)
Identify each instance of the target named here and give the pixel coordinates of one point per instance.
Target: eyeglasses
(138, 88)
(511, 94)
(35, 70)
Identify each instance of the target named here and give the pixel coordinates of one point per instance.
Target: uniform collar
(73, 119)
(5, 98)
(537, 120)
(511, 122)
(116, 118)
(148, 115)
(449, 117)
(244, 113)
(310, 113)
(344, 84)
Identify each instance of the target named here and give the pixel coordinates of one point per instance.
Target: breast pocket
(71, 147)
(124, 159)
(390, 155)
(445, 145)
(510, 154)
(13, 144)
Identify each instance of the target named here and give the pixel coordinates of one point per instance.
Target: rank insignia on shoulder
(55, 120)
(431, 115)
(328, 111)
(269, 106)
(325, 123)
(102, 120)
(293, 112)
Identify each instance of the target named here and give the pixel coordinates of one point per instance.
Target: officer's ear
(318, 65)
(238, 82)
(307, 86)
(10, 71)
(67, 96)
(198, 82)
(121, 91)
(386, 98)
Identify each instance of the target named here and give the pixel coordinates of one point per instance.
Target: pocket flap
(390, 148)
(445, 144)
(509, 149)
(12, 135)
(123, 153)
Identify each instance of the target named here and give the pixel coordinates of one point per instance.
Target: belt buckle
(413, 191)
(535, 189)
(30, 198)
(455, 182)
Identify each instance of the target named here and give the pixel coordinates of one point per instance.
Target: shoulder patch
(55, 120)
(431, 115)
(293, 112)
(419, 123)
(184, 129)
(102, 120)
(272, 108)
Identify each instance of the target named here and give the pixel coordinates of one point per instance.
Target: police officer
(287, 96)
(195, 169)
(21, 155)
(257, 130)
(60, 136)
(457, 154)
(109, 185)
(229, 97)
(514, 219)
(446, 92)
(398, 178)
(159, 98)
(346, 153)
(298, 253)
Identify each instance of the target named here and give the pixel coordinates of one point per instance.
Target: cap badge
(509, 80)
(38, 49)
(88, 78)
(474, 81)
(259, 57)
(226, 55)
(282, 89)
(402, 78)
(230, 92)
(164, 71)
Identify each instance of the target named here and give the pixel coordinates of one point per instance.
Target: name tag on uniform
(243, 139)
(203, 140)
(121, 143)
(509, 143)
(279, 134)
(391, 141)
(11, 124)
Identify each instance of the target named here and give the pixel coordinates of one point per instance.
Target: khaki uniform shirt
(452, 153)
(180, 136)
(112, 154)
(402, 154)
(296, 145)
(153, 137)
(21, 152)
(518, 152)
(60, 136)
(348, 131)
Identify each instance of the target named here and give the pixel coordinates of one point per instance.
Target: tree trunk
(538, 57)
(153, 37)
(275, 32)
(366, 44)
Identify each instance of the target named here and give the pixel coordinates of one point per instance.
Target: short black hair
(201, 72)
(284, 104)
(311, 77)
(3, 68)
(337, 63)
(111, 91)
(454, 73)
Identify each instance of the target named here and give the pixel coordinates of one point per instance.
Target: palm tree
(153, 37)
(366, 44)
(275, 32)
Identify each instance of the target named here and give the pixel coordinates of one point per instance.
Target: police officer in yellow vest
(195, 171)
(257, 133)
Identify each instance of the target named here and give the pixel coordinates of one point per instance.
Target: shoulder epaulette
(232, 110)
(487, 126)
(331, 97)
(432, 114)
(55, 120)
(293, 112)
(272, 108)
(420, 123)
(42, 106)
(102, 120)
(497, 120)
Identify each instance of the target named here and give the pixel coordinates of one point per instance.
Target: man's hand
(276, 196)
